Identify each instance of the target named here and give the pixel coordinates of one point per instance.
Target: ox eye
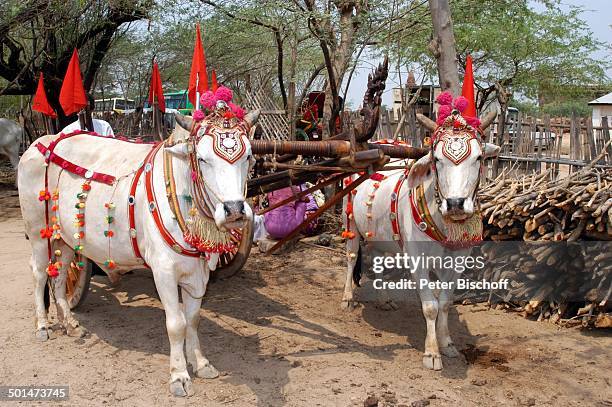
(200, 159)
(479, 157)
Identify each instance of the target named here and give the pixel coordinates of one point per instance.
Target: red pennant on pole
(198, 78)
(72, 95)
(155, 90)
(215, 85)
(468, 88)
(40, 102)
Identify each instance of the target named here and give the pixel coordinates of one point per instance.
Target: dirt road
(279, 337)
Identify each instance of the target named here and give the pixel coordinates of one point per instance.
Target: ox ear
(179, 150)
(184, 121)
(420, 171)
(252, 117)
(490, 151)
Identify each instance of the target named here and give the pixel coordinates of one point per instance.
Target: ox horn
(252, 117)
(487, 120)
(426, 122)
(184, 121)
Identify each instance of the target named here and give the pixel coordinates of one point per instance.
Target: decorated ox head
(455, 162)
(219, 153)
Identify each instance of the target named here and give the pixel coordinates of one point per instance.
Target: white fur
(170, 269)
(10, 138)
(455, 182)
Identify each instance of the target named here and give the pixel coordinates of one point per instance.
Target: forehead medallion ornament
(456, 147)
(228, 143)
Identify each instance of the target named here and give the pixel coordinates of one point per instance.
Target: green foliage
(567, 108)
(522, 49)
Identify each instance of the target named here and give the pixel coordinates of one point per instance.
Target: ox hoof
(181, 388)
(77, 331)
(432, 362)
(42, 334)
(348, 305)
(449, 351)
(207, 372)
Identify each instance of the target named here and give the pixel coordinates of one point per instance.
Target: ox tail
(357, 268)
(47, 297)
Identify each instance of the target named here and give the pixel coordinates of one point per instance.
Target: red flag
(198, 70)
(40, 102)
(156, 89)
(215, 85)
(468, 88)
(72, 95)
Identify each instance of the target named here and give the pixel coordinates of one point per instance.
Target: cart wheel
(77, 283)
(230, 263)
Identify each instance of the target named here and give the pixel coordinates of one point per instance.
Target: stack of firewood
(567, 283)
(532, 207)
(561, 267)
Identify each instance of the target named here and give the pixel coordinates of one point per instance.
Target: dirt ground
(279, 337)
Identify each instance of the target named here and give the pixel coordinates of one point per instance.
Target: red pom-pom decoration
(472, 121)
(198, 115)
(52, 270)
(443, 112)
(208, 100)
(349, 208)
(224, 93)
(238, 111)
(461, 103)
(46, 233)
(44, 195)
(445, 98)
(86, 187)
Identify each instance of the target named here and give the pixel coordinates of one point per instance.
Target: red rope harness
(152, 204)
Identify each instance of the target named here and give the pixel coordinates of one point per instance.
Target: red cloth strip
(72, 167)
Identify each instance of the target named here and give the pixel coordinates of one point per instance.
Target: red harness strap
(132, 205)
(152, 204)
(422, 217)
(69, 166)
(397, 235)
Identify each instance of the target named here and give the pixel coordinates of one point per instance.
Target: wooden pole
(331, 180)
(157, 125)
(328, 204)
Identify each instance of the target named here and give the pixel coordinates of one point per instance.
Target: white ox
(10, 136)
(225, 184)
(457, 184)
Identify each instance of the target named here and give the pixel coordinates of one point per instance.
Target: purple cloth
(311, 207)
(281, 221)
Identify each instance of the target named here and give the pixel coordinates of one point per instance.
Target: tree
(442, 45)
(517, 48)
(40, 35)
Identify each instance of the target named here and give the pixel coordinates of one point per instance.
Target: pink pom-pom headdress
(209, 99)
(459, 104)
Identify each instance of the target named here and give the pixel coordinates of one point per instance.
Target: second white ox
(437, 202)
(224, 184)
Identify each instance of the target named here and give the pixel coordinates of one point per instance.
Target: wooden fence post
(606, 137)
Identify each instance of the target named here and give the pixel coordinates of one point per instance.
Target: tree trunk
(291, 107)
(443, 45)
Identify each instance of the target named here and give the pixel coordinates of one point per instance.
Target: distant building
(424, 103)
(602, 107)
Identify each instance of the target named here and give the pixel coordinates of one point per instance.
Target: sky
(597, 14)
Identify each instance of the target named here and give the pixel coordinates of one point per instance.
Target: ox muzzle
(232, 214)
(457, 209)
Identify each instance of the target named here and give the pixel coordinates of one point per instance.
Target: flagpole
(197, 105)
